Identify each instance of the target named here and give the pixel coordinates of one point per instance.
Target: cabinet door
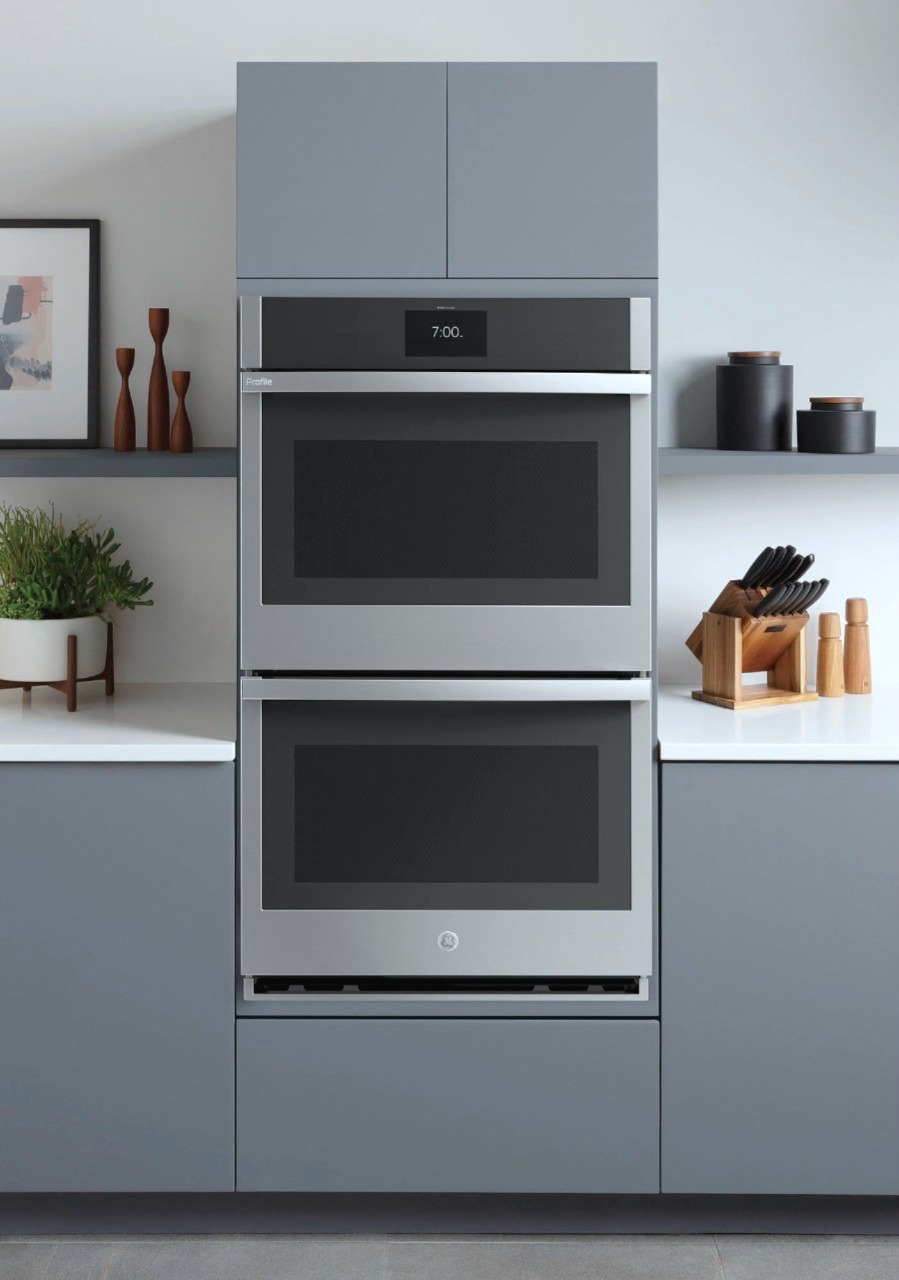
(780, 978)
(117, 971)
(433, 1104)
(341, 169)
(552, 169)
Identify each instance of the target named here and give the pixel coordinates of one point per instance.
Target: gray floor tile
(77, 1260)
(809, 1257)
(600, 1258)
(196, 1258)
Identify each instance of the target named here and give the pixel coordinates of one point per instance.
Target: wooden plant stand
(69, 686)
(730, 642)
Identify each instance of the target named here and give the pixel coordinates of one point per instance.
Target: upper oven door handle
(451, 689)
(448, 381)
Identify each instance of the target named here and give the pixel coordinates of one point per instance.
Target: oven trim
(405, 943)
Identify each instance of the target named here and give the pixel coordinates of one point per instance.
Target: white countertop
(186, 722)
(855, 727)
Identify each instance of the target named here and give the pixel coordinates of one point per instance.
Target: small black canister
(755, 401)
(836, 424)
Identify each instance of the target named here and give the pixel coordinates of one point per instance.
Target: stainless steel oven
(445, 484)
(446, 828)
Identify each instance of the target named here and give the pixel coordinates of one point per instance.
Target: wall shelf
(726, 462)
(107, 462)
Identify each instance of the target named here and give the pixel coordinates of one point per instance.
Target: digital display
(446, 333)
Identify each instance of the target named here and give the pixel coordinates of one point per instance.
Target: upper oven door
(453, 519)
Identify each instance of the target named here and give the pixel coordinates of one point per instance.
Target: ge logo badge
(448, 941)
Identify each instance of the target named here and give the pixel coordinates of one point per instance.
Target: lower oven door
(446, 828)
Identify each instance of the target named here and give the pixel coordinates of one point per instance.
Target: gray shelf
(726, 462)
(106, 462)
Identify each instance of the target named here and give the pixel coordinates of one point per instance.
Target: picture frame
(49, 333)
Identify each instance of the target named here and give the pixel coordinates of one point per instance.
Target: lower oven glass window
(381, 806)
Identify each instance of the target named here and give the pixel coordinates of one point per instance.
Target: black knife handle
(788, 572)
(768, 605)
(780, 558)
(799, 604)
(796, 589)
(804, 566)
(816, 595)
(756, 571)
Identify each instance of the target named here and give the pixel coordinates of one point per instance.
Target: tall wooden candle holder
(730, 642)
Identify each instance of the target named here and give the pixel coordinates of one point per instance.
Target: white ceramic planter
(32, 652)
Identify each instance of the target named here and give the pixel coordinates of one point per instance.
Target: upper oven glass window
(452, 499)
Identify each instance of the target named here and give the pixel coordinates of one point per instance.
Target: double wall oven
(445, 641)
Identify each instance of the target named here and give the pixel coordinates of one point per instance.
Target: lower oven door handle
(459, 381)
(426, 689)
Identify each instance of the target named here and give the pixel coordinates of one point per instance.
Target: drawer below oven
(448, 1105)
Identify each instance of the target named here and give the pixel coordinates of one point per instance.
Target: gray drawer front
(447, 1105)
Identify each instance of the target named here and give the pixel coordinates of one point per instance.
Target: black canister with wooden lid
(755, 401)
(836, 424)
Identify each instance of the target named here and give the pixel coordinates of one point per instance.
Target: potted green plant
(54, 583)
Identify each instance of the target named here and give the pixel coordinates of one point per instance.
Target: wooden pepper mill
(158, 395)
(830, 657)
(123, 439)
(182, 435)
(857, 652)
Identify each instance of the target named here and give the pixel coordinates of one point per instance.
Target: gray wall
(779, 185)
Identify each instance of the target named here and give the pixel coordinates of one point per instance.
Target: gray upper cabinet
(551, 169)
(780, 978)
(341, 169)
(117, 963)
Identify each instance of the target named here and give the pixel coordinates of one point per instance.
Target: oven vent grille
(300, 986)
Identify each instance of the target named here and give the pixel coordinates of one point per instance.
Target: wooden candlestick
(857, 649)
(123, 439)
(182, 436)
(158, 395)
(830, 657)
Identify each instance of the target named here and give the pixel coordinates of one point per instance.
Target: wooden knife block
(730, 642)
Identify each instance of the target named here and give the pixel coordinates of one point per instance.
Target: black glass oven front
(496, 806)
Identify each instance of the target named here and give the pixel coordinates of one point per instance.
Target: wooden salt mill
(857, 650)
(158, 417)
(182, 436)
(830, 657)
(123, 439)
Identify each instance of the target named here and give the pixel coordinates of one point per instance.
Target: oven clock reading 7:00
(446, 333)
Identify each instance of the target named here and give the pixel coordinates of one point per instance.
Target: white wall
(779, 187)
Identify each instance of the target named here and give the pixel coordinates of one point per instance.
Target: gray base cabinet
(441, 1105)
(780, 978)
(117, 972)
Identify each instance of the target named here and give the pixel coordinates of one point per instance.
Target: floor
(452, 1258)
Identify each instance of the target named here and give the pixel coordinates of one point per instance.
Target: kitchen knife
(757, 570)
(780, 558)
(804, 567)
(798, 605)
(782, 571)
(796, 589)
(788, 572)
(816, 595)
(768, 605)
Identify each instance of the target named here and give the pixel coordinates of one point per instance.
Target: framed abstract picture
(49, 333)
